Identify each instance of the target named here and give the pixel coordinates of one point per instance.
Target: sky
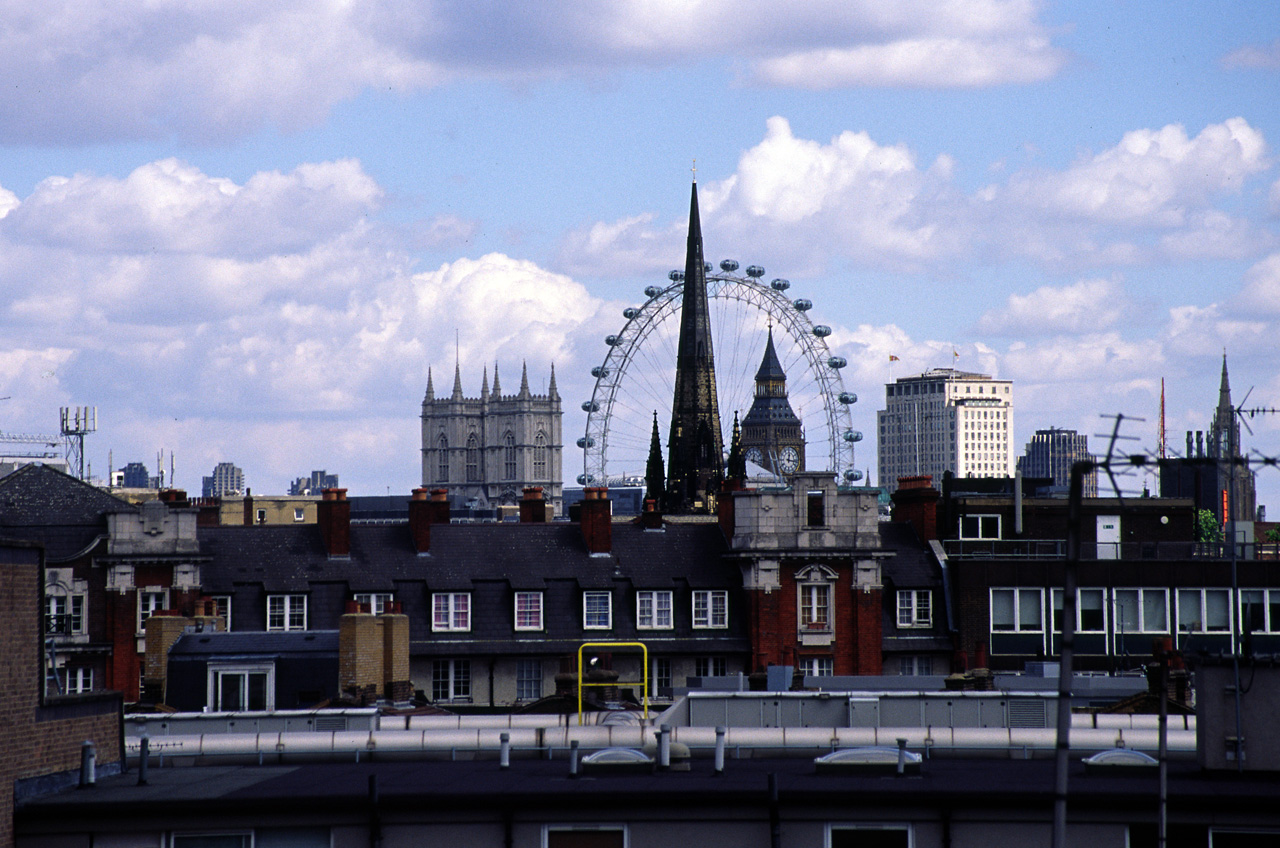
(246, 233)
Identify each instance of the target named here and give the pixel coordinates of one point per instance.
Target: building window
(915, 608)
(869, 836)
(451, 611)
(1142, 610)
(528, 680)
(597, 610)
(64, 615)
(1017, 609)
(711, 608)
(540, 456)
(299, 514)
(913, 666)
(1090, 611)
(473, 459)
(260, 516)
(979, 527)
(509, 457)
(70, 680)
(528, 610)
(442, 459)
(709, 667)
(816, 514)
(1260, 611)
(815, 606)
(220, 606)
(1204, 610)
(212, 840)
(286, 612)
(240, 688)
(150, 602)
(661, 676)
(653, 610)
(377, 602)
(585, 836)
(451, 680)
(817, 666)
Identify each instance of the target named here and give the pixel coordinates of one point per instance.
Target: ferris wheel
(635, 382)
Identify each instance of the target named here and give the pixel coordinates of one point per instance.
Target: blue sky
(246, 236)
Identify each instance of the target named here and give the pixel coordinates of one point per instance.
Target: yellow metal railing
(644, 667)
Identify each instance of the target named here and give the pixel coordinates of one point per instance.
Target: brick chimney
(726, 514)
(333, 515)
(651, 519)
(420, 520)
(248, 508)
(916, 503)
(533, 509)
(597, 522)
(439, 510)
(373, 657)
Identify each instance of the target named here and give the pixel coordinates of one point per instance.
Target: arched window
(540, 456)
(509, 456)
(442, 459)
(473, 459)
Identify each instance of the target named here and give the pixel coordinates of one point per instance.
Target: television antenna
(77, 422)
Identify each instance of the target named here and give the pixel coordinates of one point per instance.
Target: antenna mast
(77, 422)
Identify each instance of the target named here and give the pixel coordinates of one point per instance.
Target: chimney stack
(248, 508)
(420, 520)
(333, 514)
(916, 502)
(439, 510)
(533, 509)
(651, 519)
(597, 522)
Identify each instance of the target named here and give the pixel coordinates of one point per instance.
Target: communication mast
(77, 422)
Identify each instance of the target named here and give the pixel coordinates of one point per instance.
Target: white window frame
(376, 601)
(710, 609)
(817, 666)
(983, 524)
(451, 612)
(532, 608)
(915, 608)
(1080, 628)
(1184, 627)
(814, 600)
(1144, 626)
(76, 680)
(528, 673)
(593, 595)
(1270, 605)
(916, 665)
(1018, 606)
(662, 675)
(290, 610)
(216, 671)
(457, 684)
(222, 607)
(653, 610)
(299, 514)
(71, 607)
(151, 599)
(710, 666)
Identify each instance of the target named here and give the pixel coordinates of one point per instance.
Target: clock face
(788, 460)
(753, 455)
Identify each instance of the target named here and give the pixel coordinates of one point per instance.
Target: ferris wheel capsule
(848, 398)
(803, 304)
(821, 330)
(853, 475)
(675, 276)
(706, 267)
(612, 340)
(837, 362)
(630, 312)
(728, 265)
(653, 291)
(599, 371)
(586, 442)
(853, 436)
(780, 284)
(755, 272)
(590, 406)
(584, 479)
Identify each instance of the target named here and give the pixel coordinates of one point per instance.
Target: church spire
(497, 390)
(457, 382)
(484, 384)
(654, 473)
(524, 379)
(552, 392)
(695, 443)
(431, 390)
(1225, 430)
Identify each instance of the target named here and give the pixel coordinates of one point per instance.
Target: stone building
(486, 450)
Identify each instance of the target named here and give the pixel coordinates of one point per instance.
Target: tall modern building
(135, 476)
(695, 445)
(315, 484)
(946, 420)
(226, 479)
(772, 436)
(486, 450)
(1051, 453)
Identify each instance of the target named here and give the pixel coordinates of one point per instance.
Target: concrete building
(484, 451)
(946, 420)
(1051, 453)
(227, 479)
(315, 484)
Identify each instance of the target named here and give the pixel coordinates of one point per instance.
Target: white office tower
(946, 420)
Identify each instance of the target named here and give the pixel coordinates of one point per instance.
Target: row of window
(451, 679)
(508, 458)
(1137, 610)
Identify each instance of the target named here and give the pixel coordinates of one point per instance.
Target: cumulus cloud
(1085, 305)
(81, 71)
(1254, 56)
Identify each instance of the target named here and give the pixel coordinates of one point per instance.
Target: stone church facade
(486, 450)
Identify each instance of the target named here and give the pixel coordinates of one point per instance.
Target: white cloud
(1254, 56)
(1201, 330)
(81, 70)
(1083, 306)
(1261, 292)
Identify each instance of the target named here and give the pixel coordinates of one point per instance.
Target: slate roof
(42, 504)
(912, 565)
(257, 644)
(291, 557)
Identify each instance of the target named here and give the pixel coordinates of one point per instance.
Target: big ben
(771, 433)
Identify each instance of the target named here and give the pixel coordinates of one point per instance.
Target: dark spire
(654, 474)
(695, 444)
(770, 366)
(737, 465)
(1225, 430)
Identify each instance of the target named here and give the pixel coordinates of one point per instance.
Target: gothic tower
(772, 436)
(695, 445)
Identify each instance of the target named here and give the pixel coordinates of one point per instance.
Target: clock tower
(772, 436)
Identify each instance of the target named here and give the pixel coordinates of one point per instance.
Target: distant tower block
(77, 422)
